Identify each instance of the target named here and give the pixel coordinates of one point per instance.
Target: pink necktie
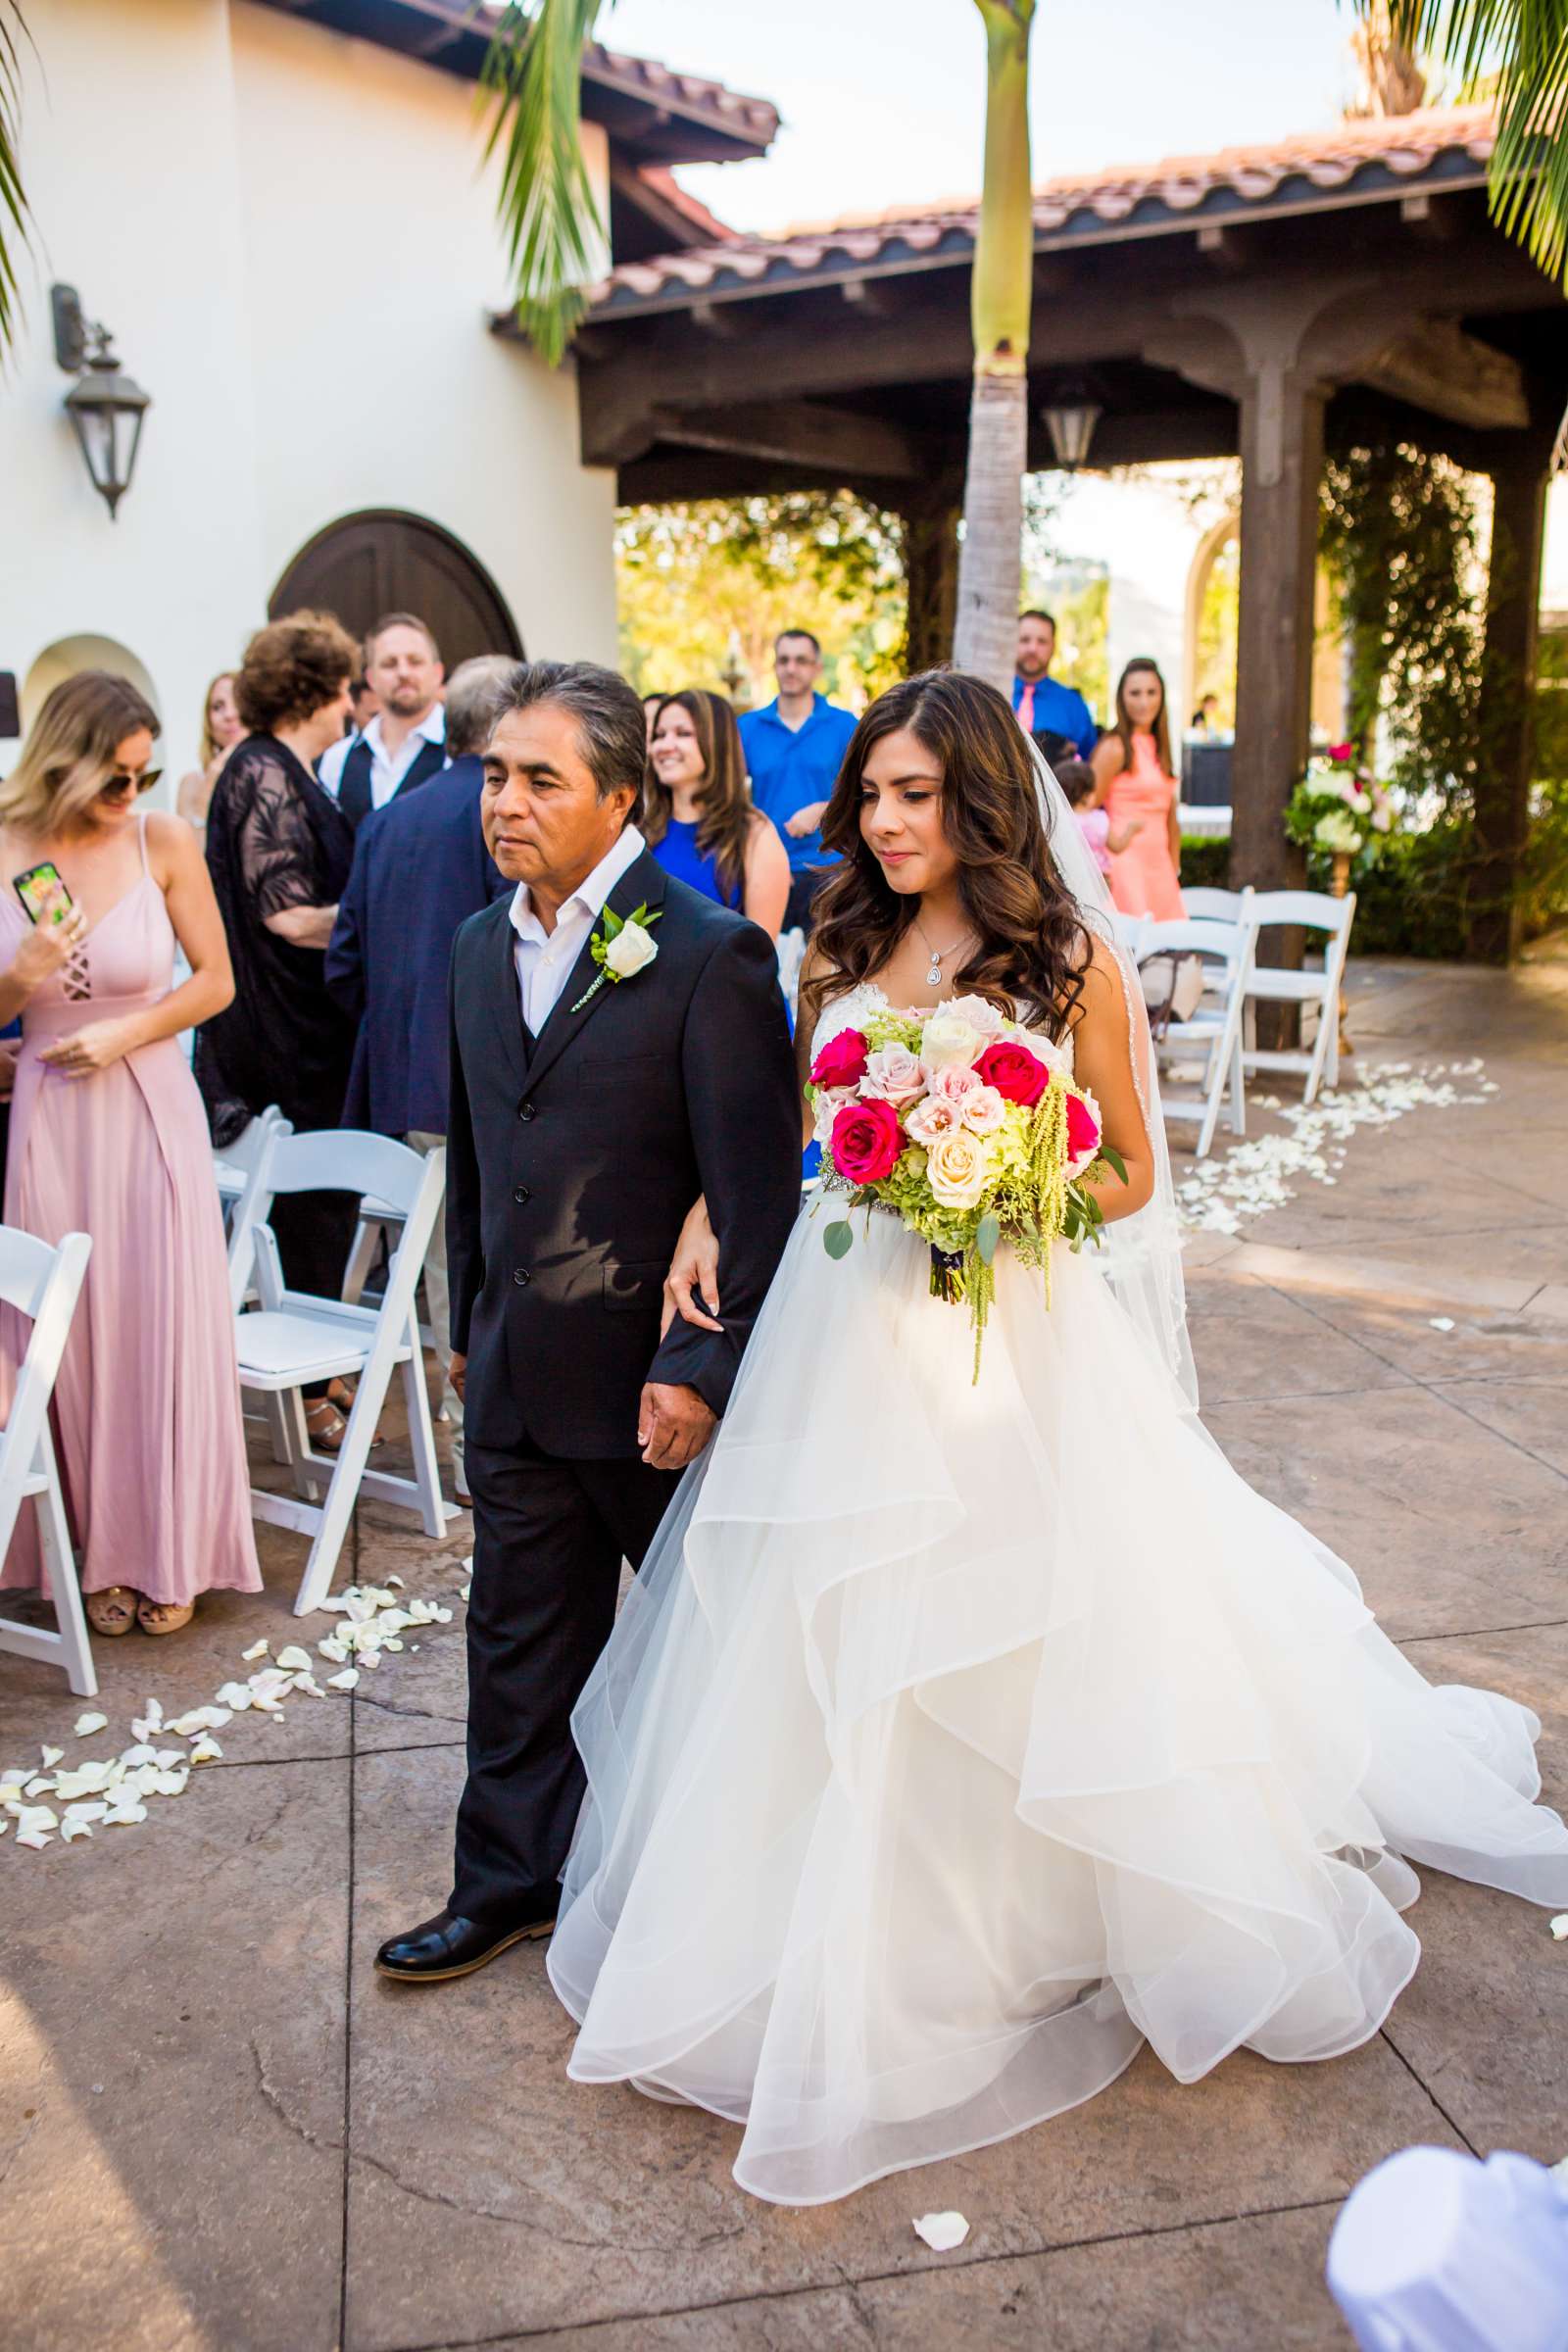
(1026, 708)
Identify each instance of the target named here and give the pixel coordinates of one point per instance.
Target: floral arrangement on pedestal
(1338, 806)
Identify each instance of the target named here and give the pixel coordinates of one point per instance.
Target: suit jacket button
(526, 1110)
(521, 1195)
(520, 1277)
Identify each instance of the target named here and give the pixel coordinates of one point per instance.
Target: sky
(884, 100)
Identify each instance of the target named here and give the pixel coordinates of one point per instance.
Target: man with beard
(405, 743)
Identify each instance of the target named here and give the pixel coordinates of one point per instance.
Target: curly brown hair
(291, 668)
(727, 818)
(1033, 948)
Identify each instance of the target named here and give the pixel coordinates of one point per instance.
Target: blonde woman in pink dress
(1135, 785)
(108, 1138)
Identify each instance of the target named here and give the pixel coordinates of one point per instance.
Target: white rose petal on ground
(70, 1829)
(257, 1649)
(344, 1681)
(86, 1724)
(150, 1723)
(51, 1758)
(126, 1814)
(1559, 1927)
(36, 1838)
(236, 1696)
(93, 1810)
(204, 1750)
(199, 1719)
(294, 1660)
(942, 2231)
(1441, 1322)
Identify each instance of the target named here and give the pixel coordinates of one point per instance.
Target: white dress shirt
(544, 958)
(388, 770)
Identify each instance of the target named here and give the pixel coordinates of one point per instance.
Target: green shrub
(1205, 863)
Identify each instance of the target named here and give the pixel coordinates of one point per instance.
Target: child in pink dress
(1077, 780)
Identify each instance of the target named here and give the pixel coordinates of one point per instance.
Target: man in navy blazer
(421, 869)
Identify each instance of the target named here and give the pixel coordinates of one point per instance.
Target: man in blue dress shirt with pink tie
(1044, 707)
(794, 749)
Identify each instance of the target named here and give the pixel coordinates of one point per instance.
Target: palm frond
(1517, 51)
(549, 216)
(13, 200)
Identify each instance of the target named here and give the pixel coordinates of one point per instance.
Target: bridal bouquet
(968, 1127)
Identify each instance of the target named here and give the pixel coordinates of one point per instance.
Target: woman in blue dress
(699, 820)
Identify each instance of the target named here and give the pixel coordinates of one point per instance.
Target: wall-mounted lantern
(105, 407)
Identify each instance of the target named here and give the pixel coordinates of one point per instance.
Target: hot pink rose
(1342, 752)
(866, 1142)
(1083, 1129)
(1017, 1075)
(842, 1060)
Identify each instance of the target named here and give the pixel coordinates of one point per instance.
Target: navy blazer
(421, 869)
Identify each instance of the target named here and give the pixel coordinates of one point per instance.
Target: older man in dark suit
(620, 1045)
(421, 869)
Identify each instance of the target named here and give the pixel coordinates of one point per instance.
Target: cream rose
(894, 1075)
(959, 1169)
(630, 951)
(949, 1039)
(981, 1015)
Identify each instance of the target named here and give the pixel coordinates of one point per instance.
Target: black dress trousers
(549, 1539)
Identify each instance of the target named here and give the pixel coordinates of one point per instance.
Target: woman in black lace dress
(278, 850)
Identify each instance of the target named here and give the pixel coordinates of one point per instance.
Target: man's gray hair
(476, 693)
(611, 729)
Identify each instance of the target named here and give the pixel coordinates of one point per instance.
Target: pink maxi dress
(1143, 879)
(147, 1406)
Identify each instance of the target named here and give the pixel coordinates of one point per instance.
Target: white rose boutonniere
(622, 949)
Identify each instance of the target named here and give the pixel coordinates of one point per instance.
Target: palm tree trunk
(989, 563)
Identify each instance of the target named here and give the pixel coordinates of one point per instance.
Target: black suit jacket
(573, 1159)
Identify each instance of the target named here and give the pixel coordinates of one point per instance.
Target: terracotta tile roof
(1322, 162)
(668, 190)
(752, 118)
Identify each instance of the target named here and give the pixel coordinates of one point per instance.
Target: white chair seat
(281, 1350)
(1284, 987)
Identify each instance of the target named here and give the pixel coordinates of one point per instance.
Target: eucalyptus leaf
(838, 1238)
(1113, 1160)
(988, 1235)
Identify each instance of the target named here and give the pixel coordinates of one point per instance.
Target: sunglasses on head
(116, 787)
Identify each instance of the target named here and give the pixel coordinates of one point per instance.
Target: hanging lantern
(1070, 422)
(105, 407)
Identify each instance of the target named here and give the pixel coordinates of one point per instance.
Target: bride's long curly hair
(1032, 948)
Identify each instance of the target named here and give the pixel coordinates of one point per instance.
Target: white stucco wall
(292, 238)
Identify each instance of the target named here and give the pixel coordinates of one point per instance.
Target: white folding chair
(1215, 1028)
(1205, 905)
(296, 1338)
(43, 1283)
(244, 1174)
(1273, 984)
(1128, 930)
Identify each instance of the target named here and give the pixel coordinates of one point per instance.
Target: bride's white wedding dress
(956, 1740)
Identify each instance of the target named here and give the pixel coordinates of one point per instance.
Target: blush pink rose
(866, 1142)
(932, 1119)
(954, 1084)
(982, 1110)
(894, 1075)
(830, 1101)
(842, 1060)
(1017, 1075)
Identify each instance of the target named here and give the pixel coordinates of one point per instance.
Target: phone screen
(33, 887)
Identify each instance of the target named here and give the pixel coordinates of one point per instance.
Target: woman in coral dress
(1137, 784)
(108, 1137)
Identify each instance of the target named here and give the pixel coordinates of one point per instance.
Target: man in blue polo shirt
(794, 749)
(1044, 707)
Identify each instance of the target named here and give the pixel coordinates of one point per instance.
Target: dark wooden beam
(1440, 367)
(1144, 437)
(674, 476)
(713, 318)
(1505, 728)
(833, 443)
(1222, 248)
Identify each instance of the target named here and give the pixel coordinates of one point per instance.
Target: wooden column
(1506, 718)
(1282, 466)
(931, 574)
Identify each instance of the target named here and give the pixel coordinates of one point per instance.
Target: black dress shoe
(445, 1946)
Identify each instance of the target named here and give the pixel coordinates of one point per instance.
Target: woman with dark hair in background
(1136, 783)
(698, 817)
(279, 851)
(108, 1139)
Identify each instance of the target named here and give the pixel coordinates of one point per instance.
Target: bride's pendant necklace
(933, 978)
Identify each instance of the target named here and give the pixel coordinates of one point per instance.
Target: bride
(956, 1740)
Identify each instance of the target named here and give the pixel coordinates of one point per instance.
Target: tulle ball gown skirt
(956, 1740)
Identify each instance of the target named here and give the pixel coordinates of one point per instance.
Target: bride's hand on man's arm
(693, 1274)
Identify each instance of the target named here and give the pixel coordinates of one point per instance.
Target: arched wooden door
(384, 561)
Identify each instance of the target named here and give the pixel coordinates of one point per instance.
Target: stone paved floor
(217, 2130)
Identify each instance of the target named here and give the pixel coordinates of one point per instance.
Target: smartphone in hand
(33, 889)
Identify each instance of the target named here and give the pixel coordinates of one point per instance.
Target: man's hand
(805, 820)
(458, 1374)
(673, 1425)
